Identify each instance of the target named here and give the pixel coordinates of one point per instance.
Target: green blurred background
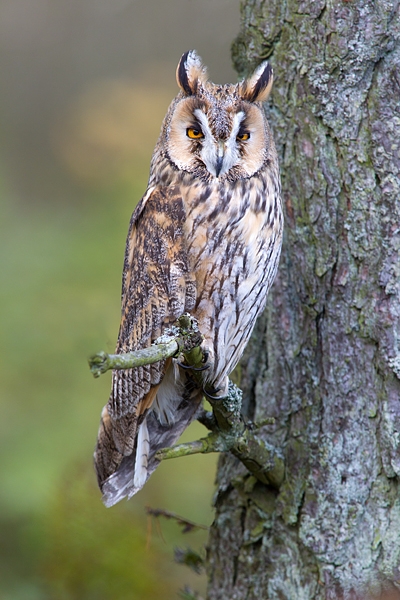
(84, 87)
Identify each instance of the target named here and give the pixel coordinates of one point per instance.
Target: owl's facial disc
(215, 141)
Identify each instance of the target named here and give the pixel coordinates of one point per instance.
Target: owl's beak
(220, 157)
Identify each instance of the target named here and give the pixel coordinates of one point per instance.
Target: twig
(184, 523)
(190, 558)
(212, 443)
(188, 594)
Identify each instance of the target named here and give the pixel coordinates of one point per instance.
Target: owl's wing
(157, 288)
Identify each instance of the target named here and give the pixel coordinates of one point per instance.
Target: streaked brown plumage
(205, 239)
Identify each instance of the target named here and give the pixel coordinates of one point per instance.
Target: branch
(211, 443)
(231, 434)
(228, 430)
(186, 524)
(181, 338)
(102, 362)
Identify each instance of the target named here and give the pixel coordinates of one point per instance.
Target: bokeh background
(84, 87)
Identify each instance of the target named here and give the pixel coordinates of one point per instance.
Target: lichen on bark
(327, 349)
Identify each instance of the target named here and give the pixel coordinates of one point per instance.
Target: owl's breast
(233, 238)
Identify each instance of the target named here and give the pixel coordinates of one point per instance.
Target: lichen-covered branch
(229, 431)
(261, 459)
(211, 443)
(102, 362)
(184, 337)
(231, 434)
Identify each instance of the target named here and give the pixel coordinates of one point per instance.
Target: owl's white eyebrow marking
(209, 151)
(237, 121)
(231, 151)
(203, 121)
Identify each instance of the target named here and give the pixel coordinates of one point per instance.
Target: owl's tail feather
(133, 471)
(142, 455)
(107, 457)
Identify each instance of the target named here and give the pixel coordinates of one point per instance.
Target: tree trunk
(325, 357)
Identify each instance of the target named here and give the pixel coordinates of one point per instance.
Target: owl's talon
(210, 396)
(197, 369)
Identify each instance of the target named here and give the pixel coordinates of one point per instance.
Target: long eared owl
(205, 239)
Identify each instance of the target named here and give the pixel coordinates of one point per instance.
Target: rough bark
(325, 358)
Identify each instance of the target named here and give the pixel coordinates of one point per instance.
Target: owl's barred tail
(133, 471)
(116, 439)
(109, 461)
(106, 456)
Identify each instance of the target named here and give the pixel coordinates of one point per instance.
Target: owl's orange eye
(243, 136)
(194, 134)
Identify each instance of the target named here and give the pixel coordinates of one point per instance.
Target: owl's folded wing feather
(157, 288)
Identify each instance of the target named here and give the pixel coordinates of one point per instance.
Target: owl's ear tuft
(189, 72)
(257, 87)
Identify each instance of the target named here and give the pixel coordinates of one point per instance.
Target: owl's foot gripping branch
(229, 432)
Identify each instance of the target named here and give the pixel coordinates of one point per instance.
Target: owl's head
(218, 131)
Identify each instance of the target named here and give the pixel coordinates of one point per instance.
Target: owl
(205, 239)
